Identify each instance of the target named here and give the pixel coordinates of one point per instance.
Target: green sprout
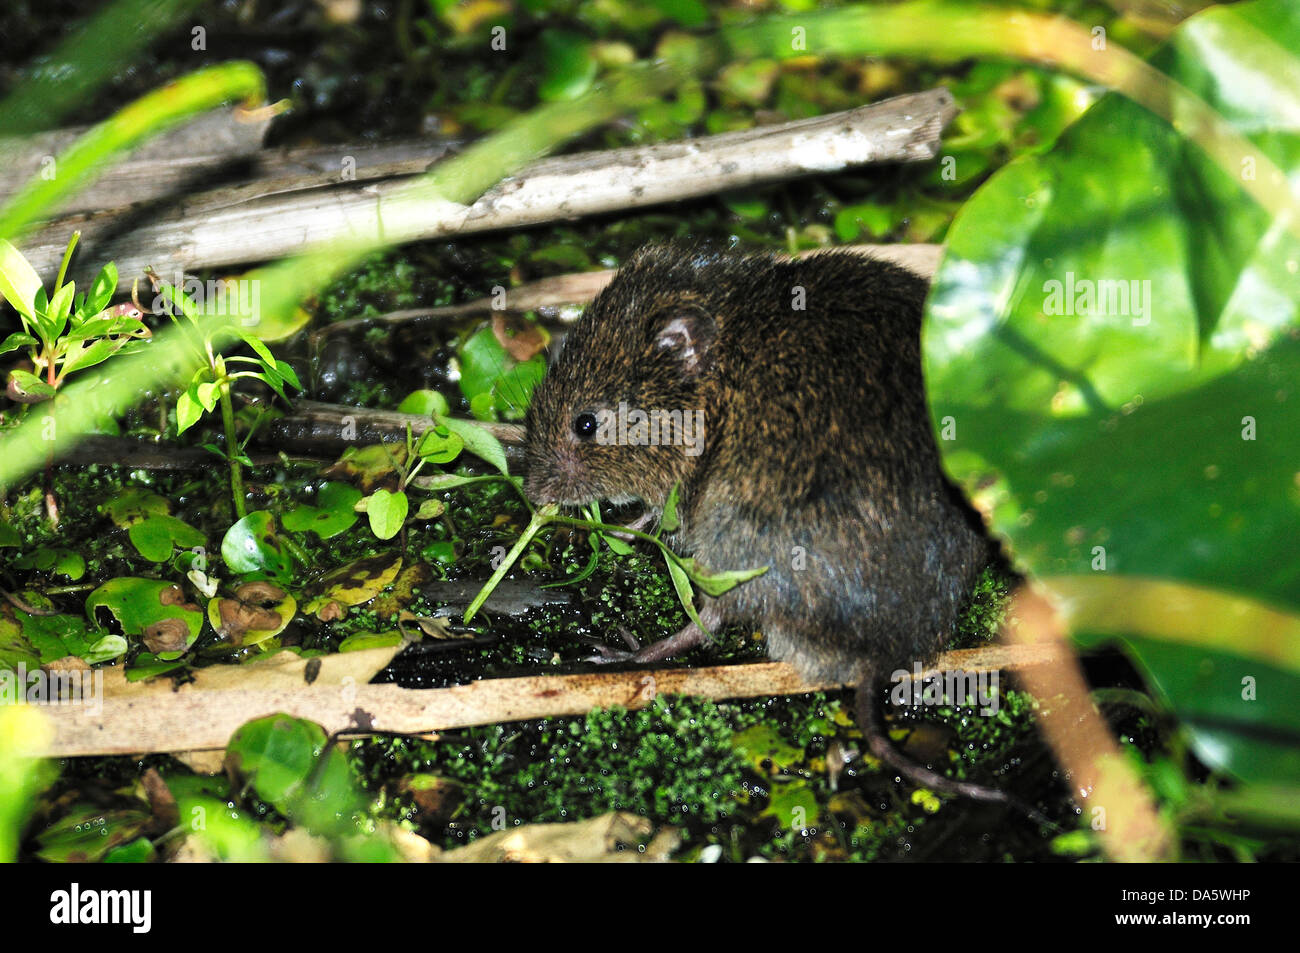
(62, 330)
(212, 383)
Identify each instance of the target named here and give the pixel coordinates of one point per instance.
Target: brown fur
(817, 437)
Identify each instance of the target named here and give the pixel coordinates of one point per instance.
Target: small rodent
(817, 459)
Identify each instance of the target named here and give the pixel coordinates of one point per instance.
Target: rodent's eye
(584, 425)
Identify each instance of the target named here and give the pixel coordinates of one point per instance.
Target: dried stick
(142, 720)
(228, 227)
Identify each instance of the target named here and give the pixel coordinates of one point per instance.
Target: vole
(816, 456)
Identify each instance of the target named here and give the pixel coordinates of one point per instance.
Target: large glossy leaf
(1112, 351)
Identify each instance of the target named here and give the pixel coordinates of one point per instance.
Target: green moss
(988, 607)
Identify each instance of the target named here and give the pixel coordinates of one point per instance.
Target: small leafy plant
(212, 382)
(62, 330)
(684, 571)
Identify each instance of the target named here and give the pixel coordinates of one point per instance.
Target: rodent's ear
(687, 333)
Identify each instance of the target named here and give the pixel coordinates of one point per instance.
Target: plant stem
(540, 518)
(51, 501)
(232, 444)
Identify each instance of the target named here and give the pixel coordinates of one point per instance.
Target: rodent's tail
(878, 743)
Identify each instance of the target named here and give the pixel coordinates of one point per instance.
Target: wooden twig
(177, 160)
(582, 286)
(323, 429)
(152, 720)
(224, 228)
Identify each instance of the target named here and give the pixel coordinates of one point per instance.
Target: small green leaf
(618, 546)
(426, 403)
(207, 394)
(188, 410)
(31, 386)
(132, 504)
(439, 445)
(155, 537)
(716, 583)
(90, 355)
(478, 441)
(54, 559)
(682, 586)
(18, 279)
(430, 509)
(360, 641)
(288, 374)
(16, 340)
(387, 512)
(669, 522)
(102, 290)
(61, 305)
(251, 545)
(570, 67)
(333, 513)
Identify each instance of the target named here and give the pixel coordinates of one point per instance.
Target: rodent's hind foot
(686, 638)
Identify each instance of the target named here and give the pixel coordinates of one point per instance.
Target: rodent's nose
(553, 478)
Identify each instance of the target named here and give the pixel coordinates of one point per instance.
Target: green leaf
(61, 305)
(439, 445)
(387, 512)
(277, 754)
(16, 340)
(180, 301)
(1106, 345)
(189, 409)
(668, 521)
(682, 586)
(618, 546)
(287, 373)
(207, 394)
(430, 509)
(291, 767)
(251, 545)
(132, 504)
(31, 386)
(253, 341)
(478, 441)
(333, 513)
(716, 583)
(89, 356)
(138, 605)
(102, 290)
(486, 368)
(426, 403)
(361, 641)
(156, 536)
(18, 279)
(569, 65)
(54, 559)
